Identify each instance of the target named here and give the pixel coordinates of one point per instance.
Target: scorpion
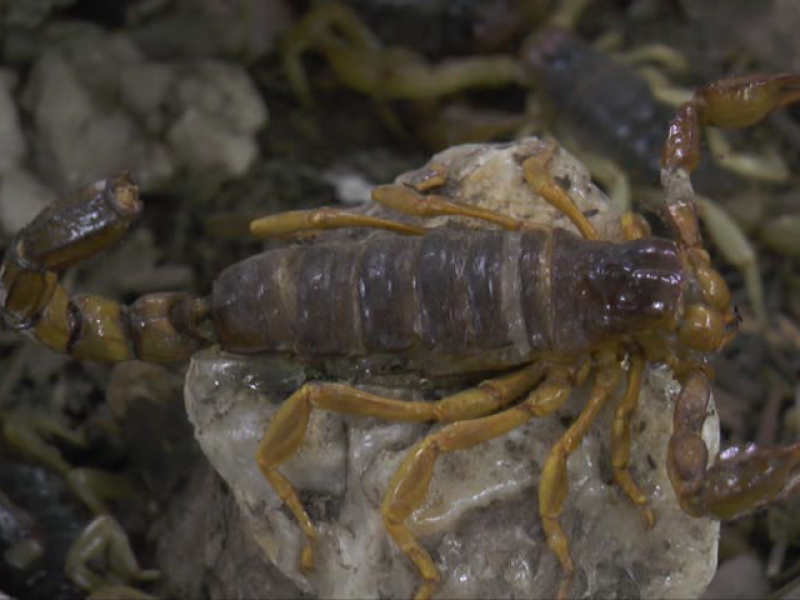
(541, 310)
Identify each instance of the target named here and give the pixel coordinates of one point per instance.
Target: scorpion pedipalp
(729, 103)
(740, 480)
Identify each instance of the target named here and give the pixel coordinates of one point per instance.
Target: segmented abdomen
(459, 293)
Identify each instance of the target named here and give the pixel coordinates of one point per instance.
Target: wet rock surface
(480, 520)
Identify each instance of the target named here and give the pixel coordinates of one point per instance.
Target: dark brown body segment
(457, 293)
(602, 290)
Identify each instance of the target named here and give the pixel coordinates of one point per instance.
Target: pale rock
(221, 110)
(84, 136)
(99, 106)
(22, 197)
(740, 578)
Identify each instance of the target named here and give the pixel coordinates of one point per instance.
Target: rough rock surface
(22, 197)
(480, 520)
(99, 105)
(12, 148)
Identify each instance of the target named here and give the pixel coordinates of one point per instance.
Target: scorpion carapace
(544, 309)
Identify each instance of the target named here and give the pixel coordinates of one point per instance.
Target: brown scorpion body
(493, 298)
(539, 310)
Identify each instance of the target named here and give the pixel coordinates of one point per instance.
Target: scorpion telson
(543, 309)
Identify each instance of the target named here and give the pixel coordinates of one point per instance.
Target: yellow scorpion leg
(553, 487)
(621, 439)
(537, 175)
(409, 485)
(408, 201)
(285, 433)
(333, 29)
(289, 223)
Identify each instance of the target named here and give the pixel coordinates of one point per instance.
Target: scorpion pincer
(540, 309)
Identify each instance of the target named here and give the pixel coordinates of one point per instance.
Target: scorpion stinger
(157, 327)
(738, 482)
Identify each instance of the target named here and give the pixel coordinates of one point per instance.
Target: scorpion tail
(157, 327)
(740, 481)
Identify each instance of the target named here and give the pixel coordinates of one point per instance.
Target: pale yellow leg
(537, 175)
(287, 429)
(662, 89)
(553, 487)
(95, 486)
(767, 166)
(621, 439)
(409, 485)
(326, 23)
(27, 431)
(104, 540)
(666, 57)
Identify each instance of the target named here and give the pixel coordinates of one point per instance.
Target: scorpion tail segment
(740, 481)
(159, 327)
(75, 228)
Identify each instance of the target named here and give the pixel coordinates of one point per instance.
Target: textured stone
(12, 141)
(22, 197)
(98, 106)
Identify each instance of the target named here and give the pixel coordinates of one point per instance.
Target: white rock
(202, 143)
(220, 112)
(99, 106)
(84, 138)
(22, 197)
(740, 578)
(222, 91)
